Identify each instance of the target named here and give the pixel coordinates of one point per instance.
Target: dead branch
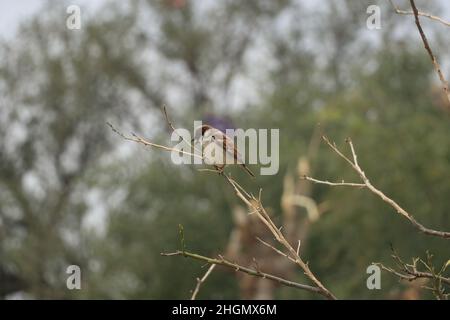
(436, 65)
(281, 253)
(201, 281)
(413, 275)
(256, 206)
(257, 273)
(335, 184)
(169, 123)
(367, 184)
(410, 272)
(138, 139)
(420, 13)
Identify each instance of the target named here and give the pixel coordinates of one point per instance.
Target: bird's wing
(229, 146)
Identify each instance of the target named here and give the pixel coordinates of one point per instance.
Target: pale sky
(12, 12)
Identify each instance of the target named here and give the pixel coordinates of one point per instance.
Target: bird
(218, 149)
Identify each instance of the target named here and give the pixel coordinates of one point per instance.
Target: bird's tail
(248, 170)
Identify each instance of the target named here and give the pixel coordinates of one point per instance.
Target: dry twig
(256, 205)
(201, 281)
(257, 273)
(138, 139)
(436, 65)
(367, 184)
(411, 272)
(420, 13)
(335, 184)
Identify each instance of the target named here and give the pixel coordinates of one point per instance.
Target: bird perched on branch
(218, 149)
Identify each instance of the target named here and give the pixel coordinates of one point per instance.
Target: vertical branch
(420, 13)
(436, 65)
(256, 205)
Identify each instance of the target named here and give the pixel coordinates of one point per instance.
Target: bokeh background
(73, 192)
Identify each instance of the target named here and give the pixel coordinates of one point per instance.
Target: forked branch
(257, 273)
(201, 280)
(420, 13)
(256, 207)
(367, 184)
(411, 272)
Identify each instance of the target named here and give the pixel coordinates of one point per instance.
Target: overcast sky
(12, 12)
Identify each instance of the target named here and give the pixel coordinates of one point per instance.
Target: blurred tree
(58, 89)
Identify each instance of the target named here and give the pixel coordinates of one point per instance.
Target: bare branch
(339, 153)
(169, 123)
(275, 249)
(223, 262)
(201, 281)
(256, 205)
(410, 272)
(436, 65)
(420, 13)
(257, 208)
(413, 275)
(138, 139)
(334, 184)
(367, 184)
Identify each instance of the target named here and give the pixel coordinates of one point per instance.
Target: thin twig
(354, 164)
(208, 170)
(334, 184)
(201, 281)
(262, 214)
(410, 272)
(223, 262)
(275, 249)
(169, 123)
(436, 65)
(420, 13)
(138, 139)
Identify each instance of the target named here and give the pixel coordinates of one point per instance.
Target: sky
(12, 12)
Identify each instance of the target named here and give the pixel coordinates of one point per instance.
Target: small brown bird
(218, 149)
